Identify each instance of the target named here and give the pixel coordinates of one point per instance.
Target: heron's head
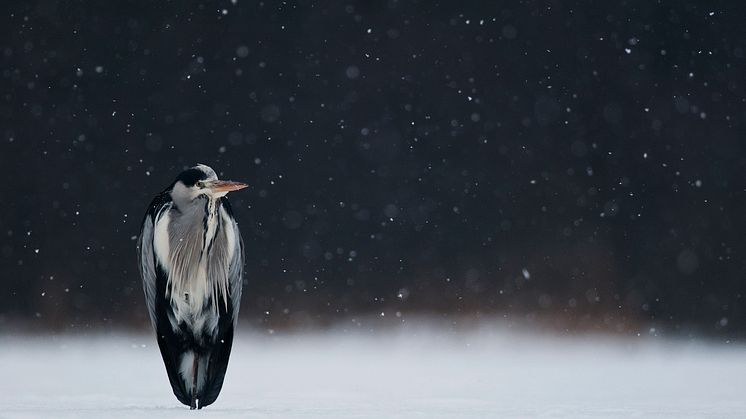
(200, 181)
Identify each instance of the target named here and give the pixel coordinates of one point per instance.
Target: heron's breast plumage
(194, 245)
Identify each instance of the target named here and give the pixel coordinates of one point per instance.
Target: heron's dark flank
(191, 262)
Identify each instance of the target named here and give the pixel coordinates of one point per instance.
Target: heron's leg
(195, 366)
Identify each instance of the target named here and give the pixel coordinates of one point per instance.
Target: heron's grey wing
(220, 352)
(235, 272)
(235, 267)
(149, 272)
(154, 280)
(146, 260)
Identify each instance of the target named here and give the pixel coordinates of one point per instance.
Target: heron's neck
(210, 224)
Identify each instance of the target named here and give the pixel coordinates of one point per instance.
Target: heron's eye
(200, 184)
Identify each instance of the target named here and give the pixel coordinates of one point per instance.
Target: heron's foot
(195, 367)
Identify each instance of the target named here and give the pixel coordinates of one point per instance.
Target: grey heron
(191, 262)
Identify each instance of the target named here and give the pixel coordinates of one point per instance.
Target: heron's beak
(225, 186)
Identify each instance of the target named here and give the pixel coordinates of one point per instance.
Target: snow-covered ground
(414, 372)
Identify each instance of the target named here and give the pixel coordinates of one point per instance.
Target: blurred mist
(571, 164)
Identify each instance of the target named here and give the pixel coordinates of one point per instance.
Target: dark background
(576, 164)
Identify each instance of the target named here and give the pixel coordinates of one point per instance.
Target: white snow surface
(409, 373)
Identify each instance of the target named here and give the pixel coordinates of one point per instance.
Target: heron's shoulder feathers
(158, 203)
